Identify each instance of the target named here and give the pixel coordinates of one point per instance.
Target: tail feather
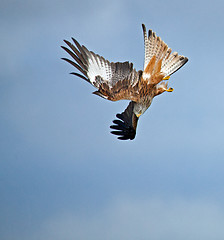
(154, 46)
(173, 63)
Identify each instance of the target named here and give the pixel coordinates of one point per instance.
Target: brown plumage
(117, 81)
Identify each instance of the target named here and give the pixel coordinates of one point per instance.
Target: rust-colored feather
(158, 66)
(150, 66)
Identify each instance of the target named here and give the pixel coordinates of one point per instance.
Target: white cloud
(126, 219)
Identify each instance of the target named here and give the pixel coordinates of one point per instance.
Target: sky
(62, 174)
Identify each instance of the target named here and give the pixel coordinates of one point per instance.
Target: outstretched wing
(158, 49)
(114, 81)
(126, 126)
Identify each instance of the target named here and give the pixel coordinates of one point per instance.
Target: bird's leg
(169, 90)
(166, 78)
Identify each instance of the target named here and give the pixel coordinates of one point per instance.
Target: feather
(114, 81)
(75, 65)
(156, 48)
(79, 75)
(126, 126)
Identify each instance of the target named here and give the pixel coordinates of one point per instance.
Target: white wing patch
(97, 66)
(100, 70)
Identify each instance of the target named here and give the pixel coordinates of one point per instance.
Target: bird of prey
(119, 80)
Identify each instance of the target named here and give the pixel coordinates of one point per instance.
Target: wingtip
(63, 47)
(122, 130)
(66, 41)
(74, 40)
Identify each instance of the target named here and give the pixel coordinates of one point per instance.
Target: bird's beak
(169, 90)
(138, 115)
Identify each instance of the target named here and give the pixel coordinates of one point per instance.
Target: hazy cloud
(141, 219)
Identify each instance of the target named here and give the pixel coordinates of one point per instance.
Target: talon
(166, 78)
(169, 90)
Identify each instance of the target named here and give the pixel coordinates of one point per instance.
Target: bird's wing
(158, 51)
(126, 126)
(114, 81)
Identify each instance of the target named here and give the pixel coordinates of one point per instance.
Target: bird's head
(139, 109)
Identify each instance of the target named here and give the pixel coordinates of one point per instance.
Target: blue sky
(63, 175)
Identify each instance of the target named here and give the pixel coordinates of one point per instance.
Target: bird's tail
(155, 47)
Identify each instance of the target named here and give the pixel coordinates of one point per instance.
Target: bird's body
(117, 81)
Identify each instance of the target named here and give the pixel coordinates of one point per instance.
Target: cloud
(128, 219)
